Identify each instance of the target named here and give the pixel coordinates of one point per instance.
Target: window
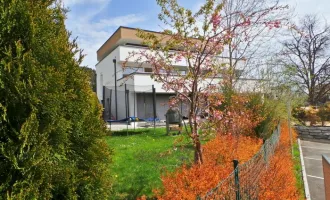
(149, 70)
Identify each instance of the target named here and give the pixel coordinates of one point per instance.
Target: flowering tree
(195, 41)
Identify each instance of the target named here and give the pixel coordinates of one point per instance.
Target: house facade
(129, 92)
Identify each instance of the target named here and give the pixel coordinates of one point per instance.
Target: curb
(307, 194)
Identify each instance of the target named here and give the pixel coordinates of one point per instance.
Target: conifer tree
(51, 133)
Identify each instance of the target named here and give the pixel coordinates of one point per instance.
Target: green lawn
(140, 158)
(298, 170)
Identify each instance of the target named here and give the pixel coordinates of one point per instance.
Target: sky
(94, 21)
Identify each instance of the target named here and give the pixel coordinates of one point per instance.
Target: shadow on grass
(158, 132)
(134, 190)
(130, 132)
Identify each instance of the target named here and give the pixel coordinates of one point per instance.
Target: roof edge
(126, 27)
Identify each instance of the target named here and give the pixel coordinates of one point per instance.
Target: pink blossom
(178, 58)
(215, 20)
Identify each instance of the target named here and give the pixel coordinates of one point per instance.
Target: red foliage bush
(278, 180)
(188, 182)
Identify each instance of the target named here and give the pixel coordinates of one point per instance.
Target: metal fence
(124, 101)
(142, 101)
(136, 105)
(243, 182)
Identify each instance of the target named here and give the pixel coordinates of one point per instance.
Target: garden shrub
(247, 114)
(311, 115)
(279, 181)
(299, 114)
(234, 114)
(324, 113)
(188, 182)
(268, 110)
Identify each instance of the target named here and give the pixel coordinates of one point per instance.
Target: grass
(141, 157)
(298, 170)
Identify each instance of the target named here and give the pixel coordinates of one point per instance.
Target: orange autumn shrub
(278, 180)
(189, 182)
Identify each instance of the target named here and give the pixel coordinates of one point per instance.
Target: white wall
(125, 50)
(106, 68)
(140, 82)
(242, 85)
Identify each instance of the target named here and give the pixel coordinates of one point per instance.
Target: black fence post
(128, 113)
(103, 101)
(110, 111)
(236, 171)
(134, 107)
(126, 100)
(116, 100)
(144, 105)
(126, 105)
(154, 106)
(110, 104)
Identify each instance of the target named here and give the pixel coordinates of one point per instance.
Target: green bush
(269, 110)
(300, 114)
(51, 133)
(324, 113)
(312, 116)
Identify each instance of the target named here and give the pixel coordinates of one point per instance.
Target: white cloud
(74, 2)
(119, 21)
(92, 31)
(303, 7)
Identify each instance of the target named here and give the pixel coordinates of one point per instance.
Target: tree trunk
(311, 98)
(195, 137)
(194, 134)
(198, 149)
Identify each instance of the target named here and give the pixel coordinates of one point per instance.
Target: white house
(139, 100)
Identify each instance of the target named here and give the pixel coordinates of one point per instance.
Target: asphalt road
(312, 153)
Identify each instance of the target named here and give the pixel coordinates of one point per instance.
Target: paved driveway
(312, 152)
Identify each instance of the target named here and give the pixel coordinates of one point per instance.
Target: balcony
(137, 76)
(142, 82)
(123, 52)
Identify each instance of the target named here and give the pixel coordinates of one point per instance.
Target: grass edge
(298, 170)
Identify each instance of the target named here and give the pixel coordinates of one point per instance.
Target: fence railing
(243, 182)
